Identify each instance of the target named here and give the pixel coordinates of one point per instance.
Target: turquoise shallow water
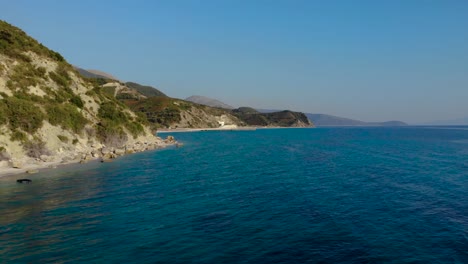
(326, 195)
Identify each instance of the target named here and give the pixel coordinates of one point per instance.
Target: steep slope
(143, 90)
(165, 112)
(48, 112)
(146, 90)
(208, 102)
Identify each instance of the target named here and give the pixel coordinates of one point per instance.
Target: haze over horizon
(367, 60)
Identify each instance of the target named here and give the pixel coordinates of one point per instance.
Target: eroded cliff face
(199, 117)
(48, 112)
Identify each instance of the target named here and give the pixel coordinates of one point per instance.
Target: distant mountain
(104, 74)
(330, 120)
(148, 91)
(453, 122)
(94, 74)
(208, 101)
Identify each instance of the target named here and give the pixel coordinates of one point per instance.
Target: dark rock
(23, 180)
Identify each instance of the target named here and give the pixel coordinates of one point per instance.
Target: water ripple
(343, 195)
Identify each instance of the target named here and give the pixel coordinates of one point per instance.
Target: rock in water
(23, 180)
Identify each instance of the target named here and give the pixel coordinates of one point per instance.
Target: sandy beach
(176, 130)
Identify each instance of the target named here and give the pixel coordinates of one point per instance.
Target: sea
(313, 195)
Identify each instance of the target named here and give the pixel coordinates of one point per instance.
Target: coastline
(178, 130)
(249, 128)
(34, 167)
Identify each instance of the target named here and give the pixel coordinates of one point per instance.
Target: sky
(369, 60)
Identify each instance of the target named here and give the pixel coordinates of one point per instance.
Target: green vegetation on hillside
(14, 42)
(245, 110)
(159, 111)
(66, 116)
(145, 90)
(25, 75)
(282, 119)
(24, 112)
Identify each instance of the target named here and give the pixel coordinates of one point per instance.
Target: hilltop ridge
(198, 99)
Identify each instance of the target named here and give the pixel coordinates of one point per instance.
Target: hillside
(284, 118)
(49, 113)
(165, 112)
(208, 101)
(146, 90)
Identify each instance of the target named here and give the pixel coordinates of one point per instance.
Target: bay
(323, 195)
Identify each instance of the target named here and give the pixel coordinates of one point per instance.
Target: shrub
(25, 75)
(63, 138)
(109, 90)
(60, 80)
(18, 136)
(57, 56)
(109, 110)
(113, 117)
(35, 148)
(76, 100)
(111, 134)
(3, 113)
(4, 154)
(67, 116)
(135, 128)
(23, 114)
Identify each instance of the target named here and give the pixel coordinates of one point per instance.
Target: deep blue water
(325, 195)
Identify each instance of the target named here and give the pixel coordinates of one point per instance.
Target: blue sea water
(324, 195)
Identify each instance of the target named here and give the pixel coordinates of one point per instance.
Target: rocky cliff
(49, 113)
(166, 112)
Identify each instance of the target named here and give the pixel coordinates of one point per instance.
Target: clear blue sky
(369, 60)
